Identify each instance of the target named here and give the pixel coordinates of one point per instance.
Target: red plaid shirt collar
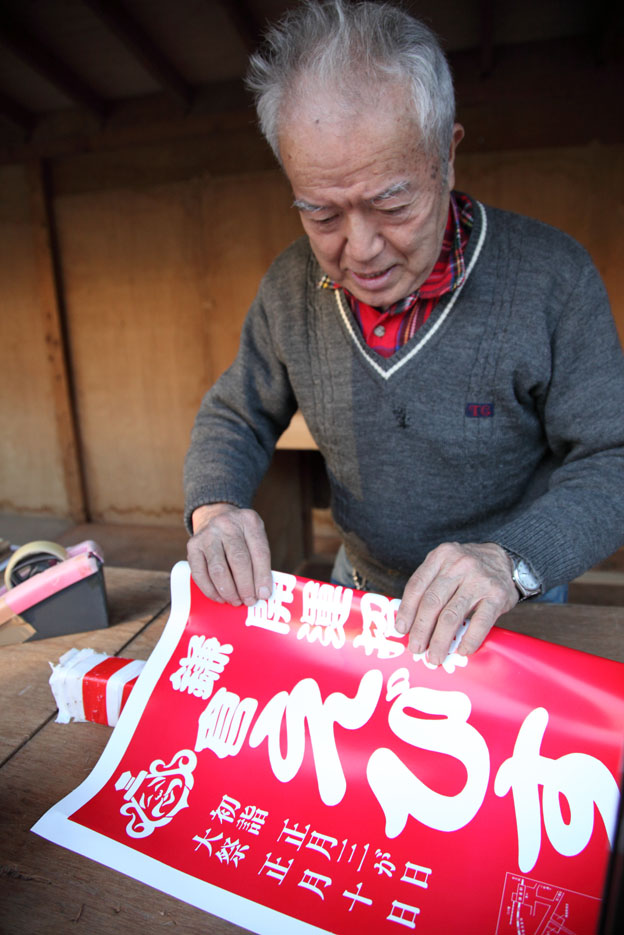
(404, 317)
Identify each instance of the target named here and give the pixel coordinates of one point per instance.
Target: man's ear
(458, 135)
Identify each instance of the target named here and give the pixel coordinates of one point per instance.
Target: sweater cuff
(205, 499)
(537, 540)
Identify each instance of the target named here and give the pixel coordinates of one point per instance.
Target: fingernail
(400, 625)
(263, 593)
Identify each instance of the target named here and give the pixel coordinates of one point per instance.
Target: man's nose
(364, 242)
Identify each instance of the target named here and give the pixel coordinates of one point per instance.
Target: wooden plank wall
(157, 281)
(39, 464)
(160, 252)
(578, 189)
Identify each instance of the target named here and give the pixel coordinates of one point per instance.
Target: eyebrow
(302, 205)
(399, 188)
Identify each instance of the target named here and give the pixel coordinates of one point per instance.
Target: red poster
(292, 767)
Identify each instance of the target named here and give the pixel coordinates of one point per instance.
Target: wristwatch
(526, 582)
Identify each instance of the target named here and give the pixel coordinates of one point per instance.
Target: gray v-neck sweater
(501, 420)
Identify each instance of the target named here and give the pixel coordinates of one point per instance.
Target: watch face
(525, 578)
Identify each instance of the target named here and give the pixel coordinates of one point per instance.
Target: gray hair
(335, 45)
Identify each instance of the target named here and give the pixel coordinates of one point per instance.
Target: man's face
(372, 203)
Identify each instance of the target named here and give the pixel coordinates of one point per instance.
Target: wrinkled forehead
(327, 130)
(338, 109)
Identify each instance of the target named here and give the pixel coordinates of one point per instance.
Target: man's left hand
(456, 582)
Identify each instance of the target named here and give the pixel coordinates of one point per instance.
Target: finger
(220, 573)
(260, 554)
(415, 588)
(247, 554)
(450, 619)
(428, 610)
(229, 567)
(237, 578)
(482, 619)
(209, 540)
(199, 570)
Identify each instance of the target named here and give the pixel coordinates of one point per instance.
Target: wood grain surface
(592, 629)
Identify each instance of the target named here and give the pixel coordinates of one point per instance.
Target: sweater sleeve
(239, 421)
(579, 519)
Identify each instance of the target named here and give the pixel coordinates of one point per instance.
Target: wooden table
(47, 890)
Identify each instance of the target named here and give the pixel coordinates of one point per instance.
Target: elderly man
(457, 365)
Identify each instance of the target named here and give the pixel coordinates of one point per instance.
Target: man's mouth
(376, 278)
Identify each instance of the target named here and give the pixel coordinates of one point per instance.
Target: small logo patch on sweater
(479, 410)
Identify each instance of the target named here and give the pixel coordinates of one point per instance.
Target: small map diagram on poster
(530, 907)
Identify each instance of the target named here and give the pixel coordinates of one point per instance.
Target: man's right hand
(229, 554)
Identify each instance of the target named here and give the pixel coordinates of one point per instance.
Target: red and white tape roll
(90, 686)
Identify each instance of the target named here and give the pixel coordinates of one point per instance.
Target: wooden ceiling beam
(132, 35)
(16, 113)
(606, 31)
(540, 94)
(247, 25)
(486, 37)
(38, 57)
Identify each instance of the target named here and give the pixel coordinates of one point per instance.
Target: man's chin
(378, 298)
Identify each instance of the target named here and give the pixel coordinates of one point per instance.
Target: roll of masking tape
(41, 548)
